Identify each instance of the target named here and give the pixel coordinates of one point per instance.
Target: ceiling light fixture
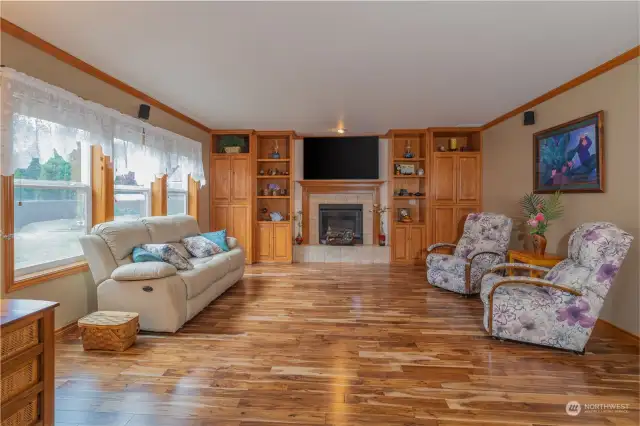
(341, 131)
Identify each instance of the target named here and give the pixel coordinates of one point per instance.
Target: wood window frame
(193, 197)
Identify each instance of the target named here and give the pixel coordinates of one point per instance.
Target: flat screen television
(341, 158)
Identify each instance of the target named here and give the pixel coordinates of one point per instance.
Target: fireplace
(336, 221)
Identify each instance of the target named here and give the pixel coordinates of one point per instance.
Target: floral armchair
(560, 310)
(483, 244)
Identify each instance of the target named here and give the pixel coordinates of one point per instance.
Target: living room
(320, 213)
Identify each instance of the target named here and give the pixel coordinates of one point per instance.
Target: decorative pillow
(200, 246)
(180, 247)
(169, 254)
(218, 237)
(141, 255)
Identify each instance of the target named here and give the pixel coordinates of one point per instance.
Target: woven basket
(109, 330)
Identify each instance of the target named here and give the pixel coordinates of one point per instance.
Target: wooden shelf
(273, 197)
(273, 221)
(397, 222)
(408, 176)
(397, 160)
(273, 160)
(273, 177)
(409, 197)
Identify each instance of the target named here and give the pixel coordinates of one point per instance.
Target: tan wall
(508, 174)
(77, 293)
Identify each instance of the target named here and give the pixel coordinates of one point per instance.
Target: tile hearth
(363, 254)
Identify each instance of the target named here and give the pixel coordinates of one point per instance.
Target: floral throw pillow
(169, 254)
(199, 246)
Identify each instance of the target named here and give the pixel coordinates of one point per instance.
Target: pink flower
(539, 206)
(532, 222)
(539, 217)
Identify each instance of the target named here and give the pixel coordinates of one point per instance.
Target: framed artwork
(407, 169)
(570, 157)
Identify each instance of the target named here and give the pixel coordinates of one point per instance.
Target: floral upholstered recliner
(561, 309)
(483, 244)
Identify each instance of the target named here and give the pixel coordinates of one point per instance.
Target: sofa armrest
(143, 271)
(232, 242)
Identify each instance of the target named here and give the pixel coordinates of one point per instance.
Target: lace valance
(38, 120)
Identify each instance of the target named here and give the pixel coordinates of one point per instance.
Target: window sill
(47, 275)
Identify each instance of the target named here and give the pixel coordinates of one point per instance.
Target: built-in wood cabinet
(456, 178)
(409, 244)
(231, 177)
(273, 242)
(448, 222)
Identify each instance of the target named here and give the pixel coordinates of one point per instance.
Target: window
(177, 196)
(132, 199)
(51, 206)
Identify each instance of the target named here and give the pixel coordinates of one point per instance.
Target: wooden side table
(28, 362)
(549, 260)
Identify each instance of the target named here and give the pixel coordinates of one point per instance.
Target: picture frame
(407, 169)
(570, 157)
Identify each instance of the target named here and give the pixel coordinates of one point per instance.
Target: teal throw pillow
(219, 238)
(141, 255)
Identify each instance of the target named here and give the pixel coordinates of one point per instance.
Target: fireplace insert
(340, 224)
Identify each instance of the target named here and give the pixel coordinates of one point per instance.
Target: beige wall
(508, 164)
(77, 293)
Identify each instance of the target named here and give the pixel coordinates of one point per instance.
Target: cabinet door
(265, 241)
(443, 179)
(461, 217)
(444, 224)
(240, 180)
(220, 218)
(239, 218)
(282, 242)
(468, 179)
(400, 243)
(416, 243)
(220, 187)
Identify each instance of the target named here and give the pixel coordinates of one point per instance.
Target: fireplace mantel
(351, 186)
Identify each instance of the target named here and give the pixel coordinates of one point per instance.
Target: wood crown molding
(589, 75)
(48, 48)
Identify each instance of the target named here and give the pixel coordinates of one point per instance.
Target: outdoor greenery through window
(51, 203)
(132, 199)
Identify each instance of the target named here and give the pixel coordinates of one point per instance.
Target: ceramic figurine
(396, 168)
(276, 172)
(403, 192)
(265, 192)
(265, 214)
(275, 154)
(420, 172)
(405, 216)
(283, 191)
(261, 172)
(441, 148)
(407, 150)
(285, 173)
(276, 217)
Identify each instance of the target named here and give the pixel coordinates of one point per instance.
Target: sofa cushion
(170, 229)
(169, 254)
(143, 271)
(122, 237)
(200, 246)
(219, 238)
(181, 249)
(205, 274)
(141, 255)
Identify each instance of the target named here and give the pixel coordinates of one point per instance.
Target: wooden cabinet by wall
(239, 225)
(456, 178)
(408, 243)
(220, 175)
(220, 217)
(240, 180)
(274, 242)
(448, 222)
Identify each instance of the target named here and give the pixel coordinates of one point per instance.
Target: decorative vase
(382, 240)
(299, 239)
(539, 244)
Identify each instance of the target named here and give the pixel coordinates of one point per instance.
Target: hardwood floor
(330, 344)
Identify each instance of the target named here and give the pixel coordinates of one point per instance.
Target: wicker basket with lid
(109, 330)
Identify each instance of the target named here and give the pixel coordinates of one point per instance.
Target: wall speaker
(144, 111)
(529, 118)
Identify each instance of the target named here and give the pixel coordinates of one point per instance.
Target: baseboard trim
(67, 329)
(621, 330)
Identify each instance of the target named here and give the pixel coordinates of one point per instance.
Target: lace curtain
(38, 120)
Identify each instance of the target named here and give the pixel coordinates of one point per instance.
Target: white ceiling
(304, 66)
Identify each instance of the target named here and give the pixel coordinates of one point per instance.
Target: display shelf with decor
(232, 184)
(274, 186)
(408, 187)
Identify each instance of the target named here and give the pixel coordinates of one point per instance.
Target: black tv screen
(341, 158)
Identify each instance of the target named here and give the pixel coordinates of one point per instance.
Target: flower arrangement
(298, 219)
(380, 210)
(541, 211)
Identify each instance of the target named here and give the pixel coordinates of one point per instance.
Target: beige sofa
(164, 297)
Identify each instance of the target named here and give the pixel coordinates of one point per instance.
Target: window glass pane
(176, 203)
(48, 223)
(130, 205)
